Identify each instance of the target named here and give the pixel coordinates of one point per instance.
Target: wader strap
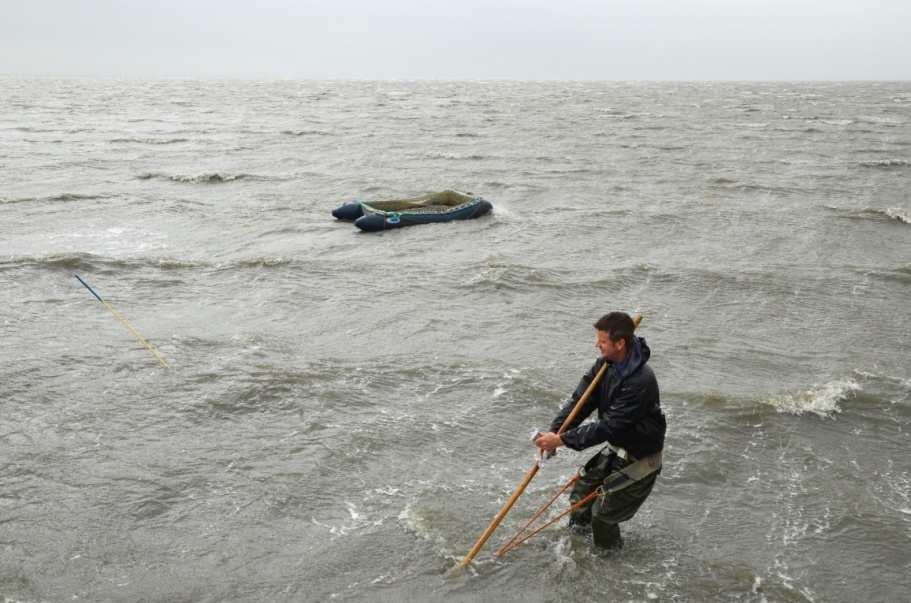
(632, 473)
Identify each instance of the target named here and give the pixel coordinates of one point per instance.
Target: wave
(91, 262)
(32, 129)
(516, 277)
(901, 382)
(455, 156)
(622, 277)
(879, 121)
(204, 178)
(885, 164)
(804, 131)
(888, 214)
(307, 133)
(506, 276)
(870, 150)
(821, 400)
(156, 141)
(829, 121)
(900, 274)
(337, 382)
(59, 198)
(564, 172)
(275, 262)
(716, 288)
(897, 214)
(61, 261)
(175, 264)
(735, 185)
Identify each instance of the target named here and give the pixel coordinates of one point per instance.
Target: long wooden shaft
(501, 514)
(136, 333)
(582, 400)
(125, 323)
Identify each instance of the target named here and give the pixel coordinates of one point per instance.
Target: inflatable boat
(426, 209)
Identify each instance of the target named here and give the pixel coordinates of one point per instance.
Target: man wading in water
(630, 421)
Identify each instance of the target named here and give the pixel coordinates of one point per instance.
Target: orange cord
(578, 505)
(509, 544)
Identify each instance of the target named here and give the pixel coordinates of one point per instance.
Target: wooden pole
(501, 514)
(494, 524)
(126, 323)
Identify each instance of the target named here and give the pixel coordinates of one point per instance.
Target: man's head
(614, 335)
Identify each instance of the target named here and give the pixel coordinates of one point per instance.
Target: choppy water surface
(344, 413)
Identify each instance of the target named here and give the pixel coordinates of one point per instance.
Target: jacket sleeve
(589, 407)
(628, 408)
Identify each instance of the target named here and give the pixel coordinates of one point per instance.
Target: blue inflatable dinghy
(426, 209)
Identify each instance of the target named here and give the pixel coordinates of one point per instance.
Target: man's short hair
(618, 325)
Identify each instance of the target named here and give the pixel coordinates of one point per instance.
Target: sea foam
(821, 399)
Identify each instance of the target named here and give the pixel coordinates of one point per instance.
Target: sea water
(344, 413)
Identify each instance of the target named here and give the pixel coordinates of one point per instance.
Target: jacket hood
(638, 355)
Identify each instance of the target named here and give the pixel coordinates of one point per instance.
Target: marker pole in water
(125, 323)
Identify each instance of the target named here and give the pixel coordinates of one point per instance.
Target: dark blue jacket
(628, 405)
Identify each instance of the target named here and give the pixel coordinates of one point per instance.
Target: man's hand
(548, 442)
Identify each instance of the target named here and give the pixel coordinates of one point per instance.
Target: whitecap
(886, 164)
(898, 214)
(352, 510)
(821, 399)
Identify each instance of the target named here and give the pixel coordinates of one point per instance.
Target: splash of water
(821, 399)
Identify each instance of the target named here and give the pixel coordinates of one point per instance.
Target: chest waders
(615, 486)
(620, 485)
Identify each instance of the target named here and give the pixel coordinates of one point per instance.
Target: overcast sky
(460, 39)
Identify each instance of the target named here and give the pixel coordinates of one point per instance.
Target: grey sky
(513, 39)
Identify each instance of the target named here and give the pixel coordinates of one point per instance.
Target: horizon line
(246, 78)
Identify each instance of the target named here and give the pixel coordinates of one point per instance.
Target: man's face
(612, 351)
